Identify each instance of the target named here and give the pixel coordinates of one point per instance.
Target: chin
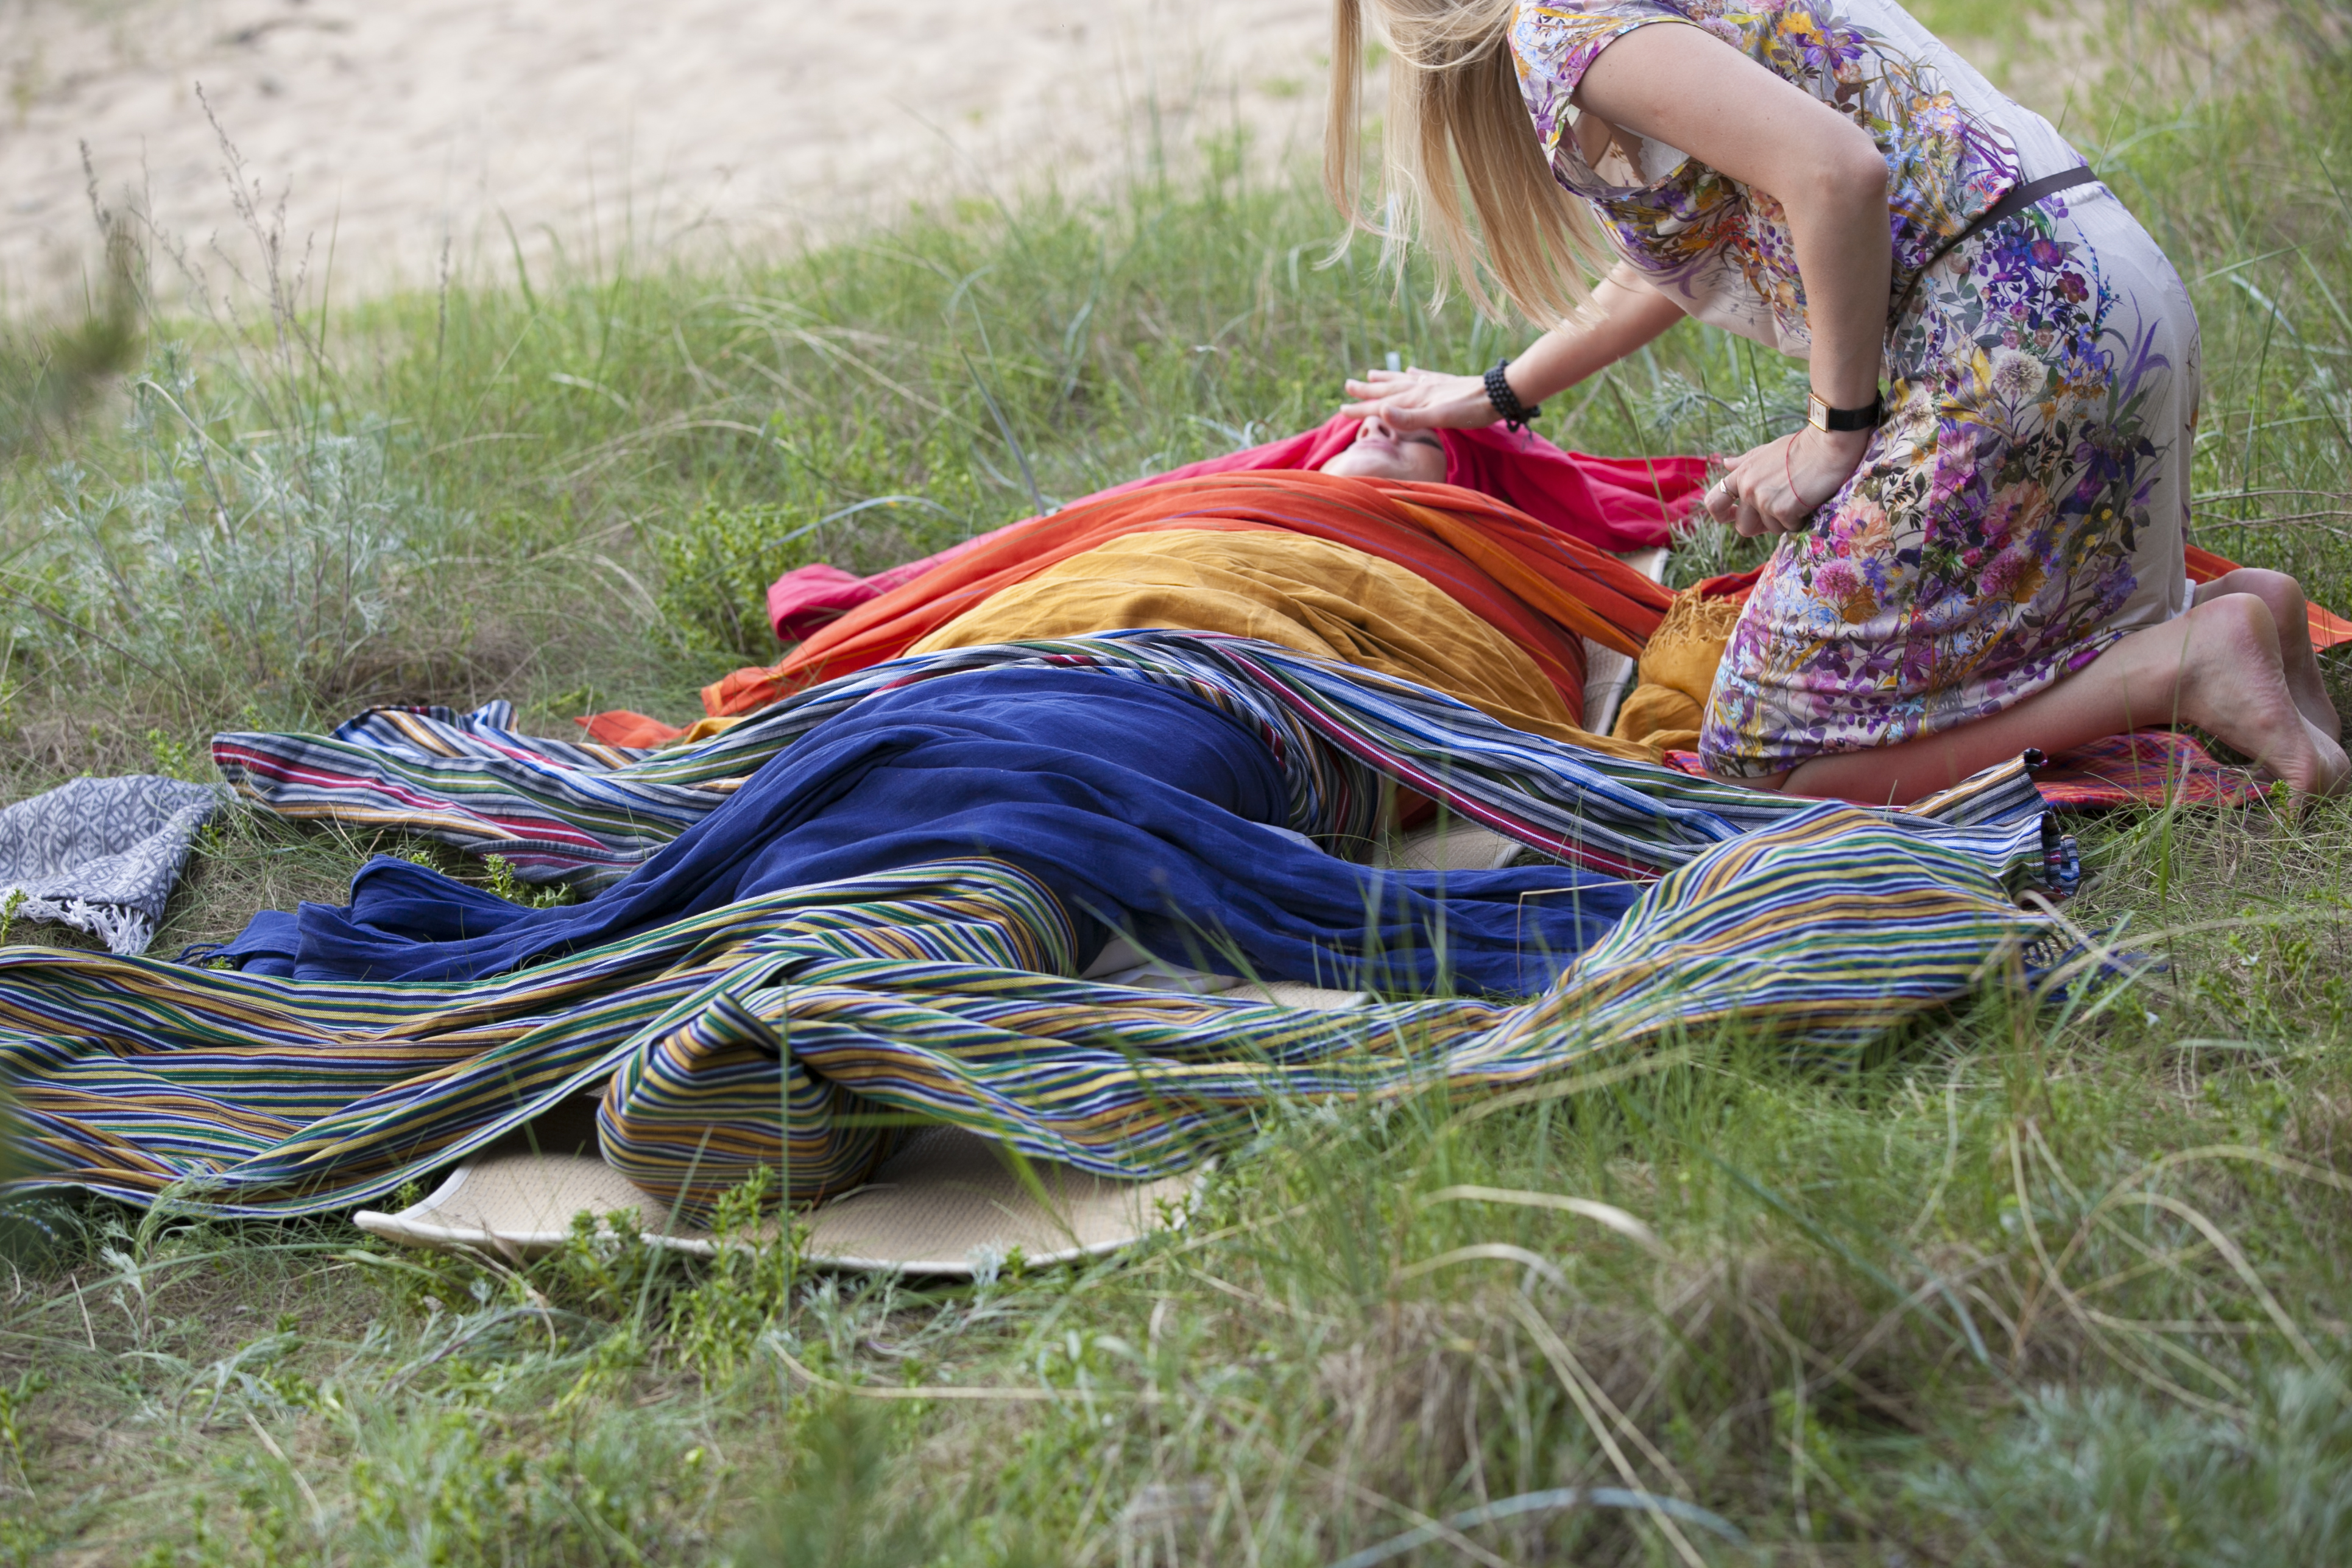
(1396, 469)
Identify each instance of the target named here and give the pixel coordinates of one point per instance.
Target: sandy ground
(398, 128)
(404, 132)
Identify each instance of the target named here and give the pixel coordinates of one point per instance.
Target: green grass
(2054, 1284)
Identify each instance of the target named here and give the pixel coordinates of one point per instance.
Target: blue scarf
(1144, 810)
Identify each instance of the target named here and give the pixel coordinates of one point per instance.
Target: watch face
(1821, 416)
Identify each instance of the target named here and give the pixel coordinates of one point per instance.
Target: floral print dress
(2024, 504)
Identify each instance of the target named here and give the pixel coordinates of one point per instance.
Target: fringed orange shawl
(1542, 589)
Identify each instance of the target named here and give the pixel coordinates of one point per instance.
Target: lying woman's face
(1381, 453)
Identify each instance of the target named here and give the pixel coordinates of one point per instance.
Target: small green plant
(263, 1508)
(839, 1505)
(53, 374)
(604, 1268)
(446, 1489)
(716, 567)
(860, 502)
(175, 758)
(14, 1402)
(8, 908)
(747, 1285)
(500, 873)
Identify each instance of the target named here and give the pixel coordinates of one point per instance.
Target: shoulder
(1553, 44)
(1556, 41)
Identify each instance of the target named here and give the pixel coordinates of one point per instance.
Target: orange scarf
(1541, 589)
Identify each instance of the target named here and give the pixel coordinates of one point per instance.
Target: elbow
(1841, 172)
(1853, 171)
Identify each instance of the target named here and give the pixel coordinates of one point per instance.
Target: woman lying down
(1558, 515)
(1161, 791)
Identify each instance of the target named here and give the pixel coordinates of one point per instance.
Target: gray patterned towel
(102, 854)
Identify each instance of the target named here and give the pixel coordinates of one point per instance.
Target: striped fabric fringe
(562, 811)
(933, 993)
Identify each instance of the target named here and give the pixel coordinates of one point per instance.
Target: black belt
(2010, 205)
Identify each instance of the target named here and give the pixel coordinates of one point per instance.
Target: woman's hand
(1422, 400)
(1777, 487)
(1624, 313)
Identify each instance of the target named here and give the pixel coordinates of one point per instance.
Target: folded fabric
(560, 811)
(1540, 589)
(1676, 673)
(933, 993)
(637, 731)
(1310, 596)
(101, 855)
(1614, 503)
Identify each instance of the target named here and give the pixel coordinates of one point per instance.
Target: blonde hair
(1454, 100)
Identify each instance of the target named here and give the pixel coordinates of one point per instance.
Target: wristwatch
(1821, 416)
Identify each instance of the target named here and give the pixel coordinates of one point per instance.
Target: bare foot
(2289, 614)
(2334, 768)
(2310, 693)
(2234, 683)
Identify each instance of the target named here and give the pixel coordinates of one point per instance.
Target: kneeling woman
(1980, 552)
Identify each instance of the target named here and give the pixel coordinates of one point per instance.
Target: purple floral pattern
(2023, 506)
(1723, 250)
(2020, 511)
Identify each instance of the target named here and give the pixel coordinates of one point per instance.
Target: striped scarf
(800, 1027)
(560, 811)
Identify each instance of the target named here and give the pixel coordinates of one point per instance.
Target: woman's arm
(1686, 88)
(1621, 315)
(1681, 85)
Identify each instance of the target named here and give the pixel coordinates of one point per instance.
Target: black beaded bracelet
(1515, 414)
